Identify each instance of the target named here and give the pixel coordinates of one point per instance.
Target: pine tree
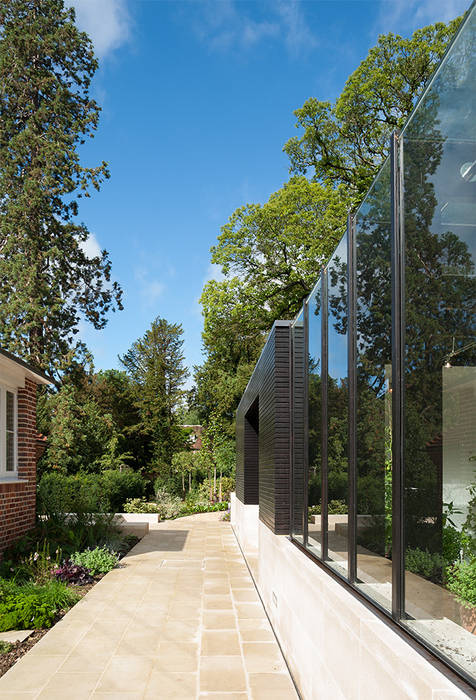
(47, 283)
(155, 364)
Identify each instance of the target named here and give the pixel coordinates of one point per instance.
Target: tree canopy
(47, 281)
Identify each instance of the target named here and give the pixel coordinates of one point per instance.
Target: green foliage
(346, 142)
(461, 580)
(32, 606)
(80, 436)
(48, 283)
(168, 506)
(140, 505)
(452, 544)
(80, 493)
(202, 508)
(424, 563)
(87, 493)
(5, 647)
(99, 560)
(334, 507)
(119, 486)
(155, 365)
(227, 486)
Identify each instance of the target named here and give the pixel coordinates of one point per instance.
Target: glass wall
(439, 217)
(373, 368)
(398, 492)
(314, 307)
(337, 409)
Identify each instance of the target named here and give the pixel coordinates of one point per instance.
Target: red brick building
(195, 436)
(19, 446)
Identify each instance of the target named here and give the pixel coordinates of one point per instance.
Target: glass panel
(299, 477)
(315, 421)
(439, 155)
(337, 408)
(374, 355)
(10, 427)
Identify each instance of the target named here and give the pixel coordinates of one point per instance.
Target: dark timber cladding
(263, 433)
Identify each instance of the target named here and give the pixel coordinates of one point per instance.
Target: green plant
(452, 544)
(140, 505)
(40, 563)
(98, 561)
(32, 606)
(424, 563)
(461, 580)
(334, 507)
(120, 486)
(168, 506)
(5, 647)
(202, 508)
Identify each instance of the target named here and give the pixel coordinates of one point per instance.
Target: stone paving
(180, 619)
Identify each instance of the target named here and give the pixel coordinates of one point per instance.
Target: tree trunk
(220, 487)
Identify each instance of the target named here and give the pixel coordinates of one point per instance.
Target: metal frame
(305, 320)
(397, 616)
(324, 415)
(398, 330)
(352, 379)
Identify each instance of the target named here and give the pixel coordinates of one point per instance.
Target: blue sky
(198, 101)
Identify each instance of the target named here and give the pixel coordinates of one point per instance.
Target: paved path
(181, 619)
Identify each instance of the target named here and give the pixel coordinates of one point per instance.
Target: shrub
(452, 544)
(73, 573)
(140, 505)
(202, 508)
(227, 486)
(5, 647)
(59, 494)
(168, 506)
(334, 507)
(87, 493)
(423, 563)
(98, 561)
(461, 580)
(31, 606)
(119, 486)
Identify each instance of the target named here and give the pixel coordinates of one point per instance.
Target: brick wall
(18, 501)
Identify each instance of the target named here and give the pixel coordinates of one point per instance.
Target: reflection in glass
(439, 184)
(315, 420)
(298, 474)
(337, 408)
(373, 354)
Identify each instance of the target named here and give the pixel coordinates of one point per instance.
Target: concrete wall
(335, 646)
(245, 520)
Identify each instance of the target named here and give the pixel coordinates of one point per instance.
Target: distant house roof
(31, 372)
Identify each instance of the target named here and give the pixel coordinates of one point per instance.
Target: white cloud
(149, 289)
(404, 16)
(107, 22)
(91, 247)
(225, 25)
(297, 35)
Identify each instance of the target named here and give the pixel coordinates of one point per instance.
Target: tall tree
(47, 281)
(155, 364)
(346, 142)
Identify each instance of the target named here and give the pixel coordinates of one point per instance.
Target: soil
(20, 648)
(8, 659)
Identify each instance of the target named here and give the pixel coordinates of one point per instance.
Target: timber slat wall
(269, 391)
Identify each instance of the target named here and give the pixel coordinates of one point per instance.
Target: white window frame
(4, 474)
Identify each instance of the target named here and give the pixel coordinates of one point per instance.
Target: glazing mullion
(324, 416)
(306, 422)
(351, 339)
(398, 553)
